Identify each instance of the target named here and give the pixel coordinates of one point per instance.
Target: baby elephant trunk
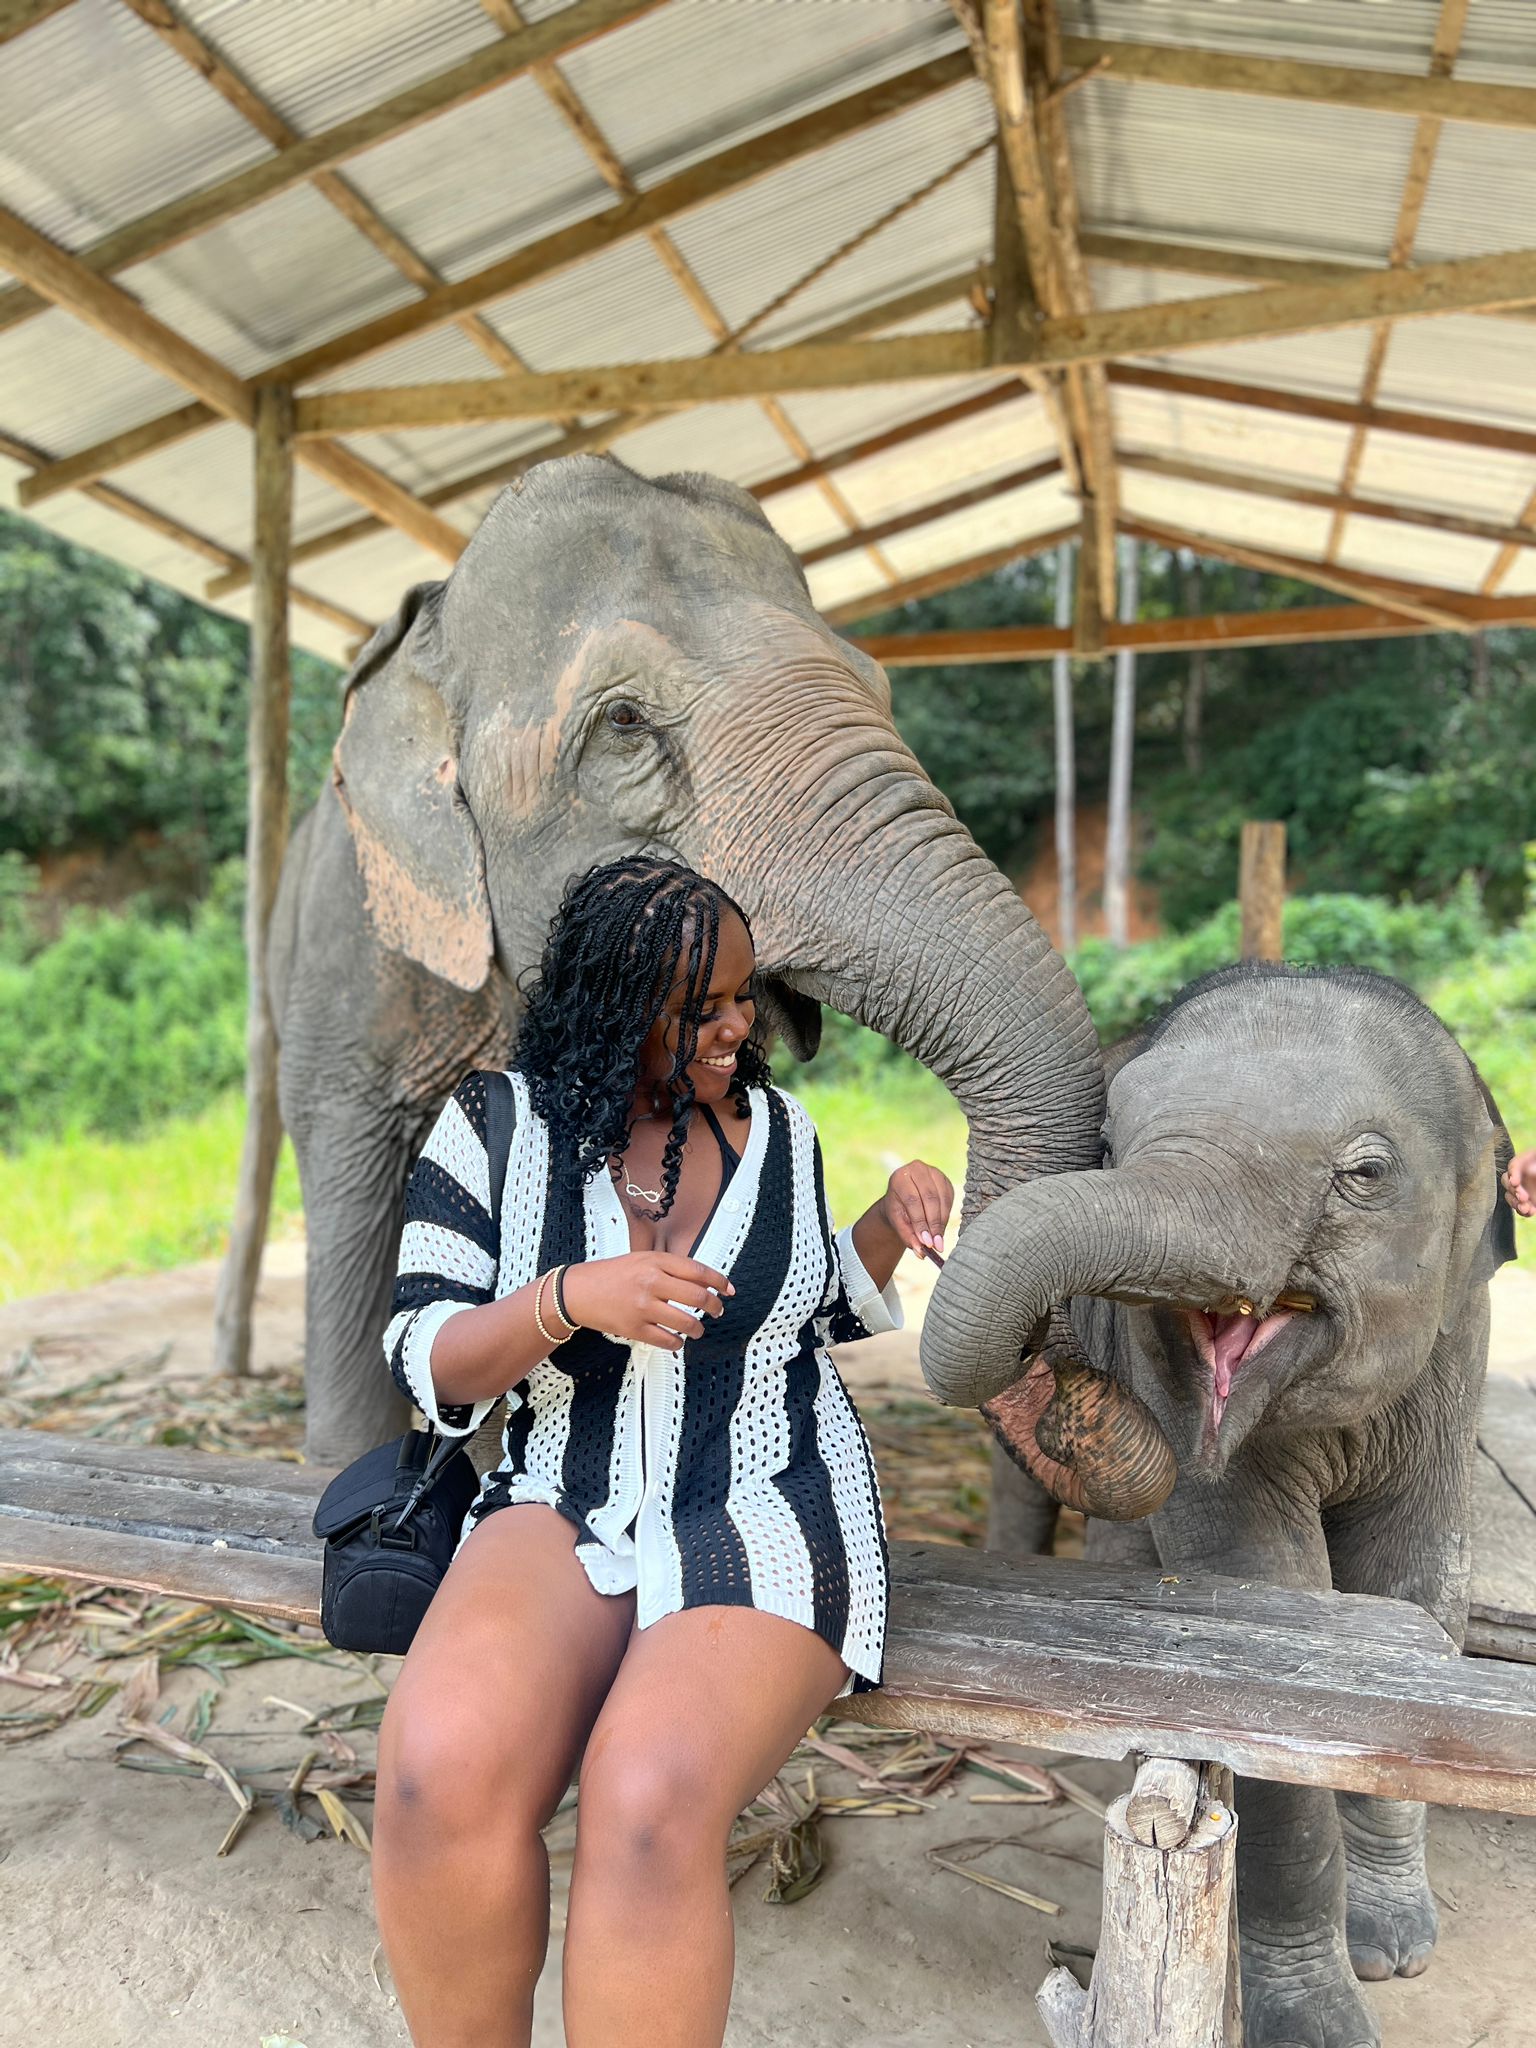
(1125, 1235)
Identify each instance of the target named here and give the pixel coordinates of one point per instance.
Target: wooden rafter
(17, 16)
(1212, 476)
(1424, 426)
(1032, 144)
(1332, 85)
(194, 212)
(134, 509)
(1421, 161)
(729, 171)
(1460, 287)
(1304, 625)
(932, 581)
(108, 309)
(1203, 259)
(604, 433)
(1509, 553)
(578, 117)
(929, 515)
(1423, 602)
(194, 50)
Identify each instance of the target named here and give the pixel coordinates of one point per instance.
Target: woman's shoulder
(794, 1109)
(473, 1094)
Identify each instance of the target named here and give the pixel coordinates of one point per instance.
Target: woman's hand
(916, 1206)
(1520, 1184)
(633, 1297)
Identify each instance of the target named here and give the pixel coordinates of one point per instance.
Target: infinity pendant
(642, 1194)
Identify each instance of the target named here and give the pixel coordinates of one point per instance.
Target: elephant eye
(1363, 1175)
(1369, 1169)
(624, 713)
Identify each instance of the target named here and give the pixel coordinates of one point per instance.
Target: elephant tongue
(1231, 1338)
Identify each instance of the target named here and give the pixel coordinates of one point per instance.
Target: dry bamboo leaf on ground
(344, 1822)
(995, 1884)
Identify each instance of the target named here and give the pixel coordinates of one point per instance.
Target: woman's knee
(450, 1773)
(645, 1819)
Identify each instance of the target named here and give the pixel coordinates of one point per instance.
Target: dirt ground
(124, 1928)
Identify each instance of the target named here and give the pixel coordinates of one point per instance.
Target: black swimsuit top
(590, 1349)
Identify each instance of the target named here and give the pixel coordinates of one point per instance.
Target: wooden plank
(933, 580)
(194, 212)
(731, 170)
(1338, 411)
(926, 515)
(1310, 1687)
(1261, 889)
(1329, 85)
(1213, 476)
(1106, 1679)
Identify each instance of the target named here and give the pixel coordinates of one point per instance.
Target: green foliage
(1413, 941)
(124, 1020)
(122, 709)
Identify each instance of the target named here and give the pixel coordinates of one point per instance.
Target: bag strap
(500, 1123)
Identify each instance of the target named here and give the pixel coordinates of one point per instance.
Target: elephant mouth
(1229, 1335)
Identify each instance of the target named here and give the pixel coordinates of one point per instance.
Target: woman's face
(725, 1016)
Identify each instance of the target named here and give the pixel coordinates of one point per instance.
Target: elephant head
(619, 663)
(1301, 1195)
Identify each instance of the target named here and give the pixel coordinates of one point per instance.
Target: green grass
(870, 1125)
(80, 1209)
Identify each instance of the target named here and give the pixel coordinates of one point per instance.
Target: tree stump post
(265, 840)
(1166, 1971)
(1261, 890)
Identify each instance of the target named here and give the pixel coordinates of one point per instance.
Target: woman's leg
(706, 1707)
(477, 1746)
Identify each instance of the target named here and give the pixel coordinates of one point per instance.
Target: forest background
(1405, 772)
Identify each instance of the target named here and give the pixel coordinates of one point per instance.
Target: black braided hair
(615, 949)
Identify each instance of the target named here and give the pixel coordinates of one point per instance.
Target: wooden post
(1066, 765)
(1261, 890)
(1164, 1970)
(1122, 743)
(1088, 629)
(265, 839)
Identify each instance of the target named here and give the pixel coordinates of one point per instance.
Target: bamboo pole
(265, 839)
(1122, 742)
(1261, 889)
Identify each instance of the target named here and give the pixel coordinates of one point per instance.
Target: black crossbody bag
(391, 1519)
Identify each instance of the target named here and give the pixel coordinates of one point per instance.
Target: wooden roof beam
(187, 537)
(1459, 287)
(1421, 159)
(1300, 626)
(194, 50)
(194, 212)
(1329, 85)
(1202, 259)
(1430, 605)
(928, 515)
(1212, 477)
(731, 170)
(932, 581)
(603, 433)
(17, 16)
(108, 309)
(1424, 426)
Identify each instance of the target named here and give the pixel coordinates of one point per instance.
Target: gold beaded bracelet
(538, 1304)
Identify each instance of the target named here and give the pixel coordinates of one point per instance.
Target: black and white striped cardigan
(733, 1473)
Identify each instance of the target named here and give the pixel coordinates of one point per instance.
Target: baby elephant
(1287, 1260)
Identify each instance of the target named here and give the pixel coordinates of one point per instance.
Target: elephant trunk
(1136, 1234)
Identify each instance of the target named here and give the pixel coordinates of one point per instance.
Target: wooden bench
(1207, 1676)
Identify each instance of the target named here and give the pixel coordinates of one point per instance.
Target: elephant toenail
(1371, 1965)
(1415, 1963)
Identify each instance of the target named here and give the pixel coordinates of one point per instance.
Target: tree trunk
(1122, 742)
(1066, 765)
(266, 836)
(1193, 599)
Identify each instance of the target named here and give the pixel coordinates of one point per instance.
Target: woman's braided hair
(624, 935)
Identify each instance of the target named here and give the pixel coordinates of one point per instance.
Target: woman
(698, 1567)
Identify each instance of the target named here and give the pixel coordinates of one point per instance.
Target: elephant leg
(1298, 1988)
(1131, 1544)
(353, 1162)
(1392, 1921)
(1021, 1520)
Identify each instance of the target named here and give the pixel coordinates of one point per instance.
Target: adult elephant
(619, 663)
(1287, 1261)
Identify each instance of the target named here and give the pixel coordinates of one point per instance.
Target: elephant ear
(1484, 1234)
(395, 771)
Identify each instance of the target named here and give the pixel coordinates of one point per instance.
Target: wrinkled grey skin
(479, 769)
(1243, 1131)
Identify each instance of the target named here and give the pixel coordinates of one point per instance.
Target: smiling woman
(699, 1565)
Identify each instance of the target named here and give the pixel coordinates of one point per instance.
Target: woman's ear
(395, 773)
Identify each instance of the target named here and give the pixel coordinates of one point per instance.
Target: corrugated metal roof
(102, 122)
